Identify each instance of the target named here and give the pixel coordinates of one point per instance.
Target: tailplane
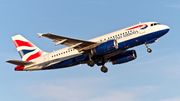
(26, 49)
(20, 63)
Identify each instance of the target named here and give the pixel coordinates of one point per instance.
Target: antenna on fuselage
(139, 22)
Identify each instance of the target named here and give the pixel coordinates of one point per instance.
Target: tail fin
(26, 49)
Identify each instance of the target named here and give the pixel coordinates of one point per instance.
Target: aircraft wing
(20, 63)
(70, 42)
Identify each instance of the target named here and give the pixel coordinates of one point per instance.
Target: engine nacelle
(124, 57)
(105, 47)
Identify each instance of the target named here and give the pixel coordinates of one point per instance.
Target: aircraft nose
(165, 28)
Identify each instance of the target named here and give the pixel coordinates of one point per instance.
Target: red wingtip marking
(19, 68)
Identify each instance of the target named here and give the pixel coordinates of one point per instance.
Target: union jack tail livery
(26, 49)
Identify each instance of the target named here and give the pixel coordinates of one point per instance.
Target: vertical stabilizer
(26, 49)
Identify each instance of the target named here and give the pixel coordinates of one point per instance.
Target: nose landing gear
(148, 49)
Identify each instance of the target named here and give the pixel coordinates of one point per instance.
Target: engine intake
(105, 47)
(124, 57)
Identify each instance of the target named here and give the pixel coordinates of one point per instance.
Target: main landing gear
(148, 49)
(99, 61)
(104, 69)
(91, 63)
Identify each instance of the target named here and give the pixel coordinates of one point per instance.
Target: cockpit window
(154, 24)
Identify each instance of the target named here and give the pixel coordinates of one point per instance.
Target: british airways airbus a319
(112, 47)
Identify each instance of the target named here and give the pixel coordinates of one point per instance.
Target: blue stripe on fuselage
(123, 45)
(69, 62)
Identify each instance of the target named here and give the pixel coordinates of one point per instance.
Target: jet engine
(124, 57)
(105, 47)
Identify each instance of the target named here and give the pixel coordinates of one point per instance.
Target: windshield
(154, 24)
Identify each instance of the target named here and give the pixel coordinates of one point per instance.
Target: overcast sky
(151, 77)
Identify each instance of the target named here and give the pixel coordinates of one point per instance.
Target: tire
(104, 69)
(149, 50)
(91, 63)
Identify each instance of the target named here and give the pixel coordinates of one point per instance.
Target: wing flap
(20, 63)
(59, 42)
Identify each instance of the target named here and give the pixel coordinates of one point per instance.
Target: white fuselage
(122, 35)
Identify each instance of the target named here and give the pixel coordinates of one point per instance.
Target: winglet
(39, 35)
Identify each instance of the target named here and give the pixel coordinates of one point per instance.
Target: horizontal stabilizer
(20, 63)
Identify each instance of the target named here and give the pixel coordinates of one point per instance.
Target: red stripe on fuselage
(136, 27)
(19, 43)
(33, 56)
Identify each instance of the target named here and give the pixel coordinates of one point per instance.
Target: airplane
(112, 47)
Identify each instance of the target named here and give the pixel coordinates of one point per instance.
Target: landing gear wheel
(104, 69)
(91, 63)
(149, 50)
